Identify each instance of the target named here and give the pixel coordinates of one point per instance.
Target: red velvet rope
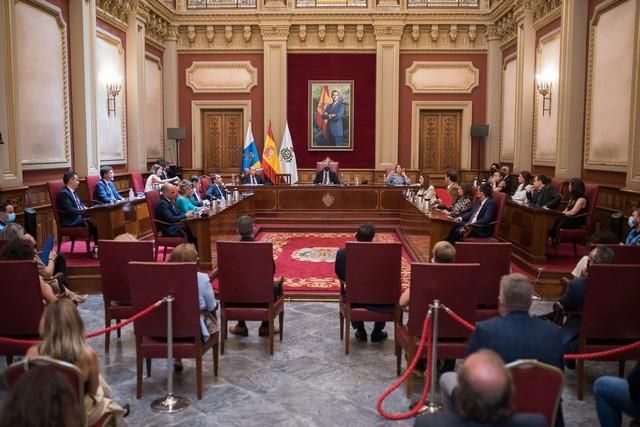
(95, 333)
(425, 339)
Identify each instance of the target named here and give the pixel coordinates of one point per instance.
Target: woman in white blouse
(426, 190)
(154, 178)
(524, 185)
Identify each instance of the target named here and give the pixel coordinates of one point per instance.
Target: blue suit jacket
(335, 123)
(68, 208)
(215, 192)
(573, 298)
(105, 191)
(517, 335)
(486, 215)
(194, 199)
(167, 212)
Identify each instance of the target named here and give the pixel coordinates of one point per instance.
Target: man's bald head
(169, 191)
(484, 389)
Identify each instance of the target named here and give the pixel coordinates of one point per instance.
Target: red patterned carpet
(306, 260)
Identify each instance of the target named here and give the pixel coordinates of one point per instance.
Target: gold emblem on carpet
(328, 199)
(316, 254)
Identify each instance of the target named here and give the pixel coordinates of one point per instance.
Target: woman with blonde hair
(183, 201)
(62, 333)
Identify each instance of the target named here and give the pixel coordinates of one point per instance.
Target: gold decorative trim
(547, 11)
(506, 60)
(328, 199)
(241, 77)
(158, 63)
(113, 12)
(419, 70)
(13, 175)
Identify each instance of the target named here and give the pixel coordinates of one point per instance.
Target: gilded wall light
(544, 85)
(113, 89)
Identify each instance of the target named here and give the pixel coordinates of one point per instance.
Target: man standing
(166, 212)
(70, 207)
(105, 191)
(334, 113)
(216, 190)
(326, 176)
(477, 221)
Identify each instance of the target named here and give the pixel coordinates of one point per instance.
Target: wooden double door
(223, 140)
(440, 134)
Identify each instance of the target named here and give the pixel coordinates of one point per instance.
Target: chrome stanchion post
(433, 406)
(170, 403)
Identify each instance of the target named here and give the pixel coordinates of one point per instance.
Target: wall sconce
(543, 85)
(113, 90)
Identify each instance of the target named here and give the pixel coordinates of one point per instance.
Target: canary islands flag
(250, 155)
(270, 156)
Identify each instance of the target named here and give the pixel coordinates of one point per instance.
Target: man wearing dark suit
(216, 190)
(333, 114)
(251, 178)
(105, 191)
(483, 397)
(326, 176)
(515, 334)
(70, 207)
(477, 222)
(167, 213)
(543, 194)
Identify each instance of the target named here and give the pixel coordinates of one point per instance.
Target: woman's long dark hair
(577, 188)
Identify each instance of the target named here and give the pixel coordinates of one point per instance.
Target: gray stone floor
(307, 382)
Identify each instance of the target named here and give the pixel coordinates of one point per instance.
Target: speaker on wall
(176, 133)
(479, 130)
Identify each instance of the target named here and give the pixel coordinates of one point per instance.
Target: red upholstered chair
(152, 198)
(114, 273)
(205, 182)
(610, 314)
(246, 289)
(333, 166)
(72, 233)
(150, 282)
(69, 372)
(581, 235)
(137, 183)
(624, 254)
(2, 243)
(499, 199)
(373, 277)
(444, 197)
(92, 181)
(20, 306)
(495, 261)
(453, 285)
(557, 185)
(537, 388)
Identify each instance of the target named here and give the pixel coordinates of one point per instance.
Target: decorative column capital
(275, 32)
(388, 32)
(493, 33)
(172, 33)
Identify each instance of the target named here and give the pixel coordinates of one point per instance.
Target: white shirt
(520, 195)
(474, 218)
(149, 184)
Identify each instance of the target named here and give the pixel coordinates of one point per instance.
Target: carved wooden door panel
(222, 140)
(440, 140)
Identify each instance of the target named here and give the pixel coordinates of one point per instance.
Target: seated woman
(575, 208)
(498, 184)
(633, 238)
(62, 333)
(492, 170)
(22, 250)
(155, 179)
(183, 201)
(187, 252)
(426, 191)
(463, 204)
(397, 177)
(524, 185)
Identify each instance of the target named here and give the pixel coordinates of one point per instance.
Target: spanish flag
(323, 101)
(270, 159)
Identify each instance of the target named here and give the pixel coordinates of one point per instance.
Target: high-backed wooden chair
(537, 388)
(205, 182)
(246, 290)
(179, 280)
(114, 272)
(499, 199)
(152, 199)
(373, 277)
(581, 235)
(558, 185)
(624, 254)
(610, 314)
(444, 197)
(20, 306)
(72, 233)
(333, 166)
(453, 285)
(495, 261)
(92, 181)
(137, 183)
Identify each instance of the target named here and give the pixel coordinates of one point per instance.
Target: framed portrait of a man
(331, 115)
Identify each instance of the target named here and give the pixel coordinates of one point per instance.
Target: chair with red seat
(246, 289)
(205, 182)
(72, 233)
(499, 199)
(453, 285)
(20, 306)
(152, 199)
(114, 273)
(611, 301)
(92, 181)
(537, 388)
(373, 277)
(580, 235)
(558, 185)
(495, 261)
(150, 282)
(333, 166)
(444, 196)
(137, 183)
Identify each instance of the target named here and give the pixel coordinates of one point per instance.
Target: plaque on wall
(331, 115)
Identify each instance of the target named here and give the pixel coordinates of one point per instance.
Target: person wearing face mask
(7, 214)
(326, 176)
(633, 238)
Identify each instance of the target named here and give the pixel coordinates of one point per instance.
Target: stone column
(275, 38)
(387, 92)
(170, 77)
(82, 55)
(525, 76)
(571, 88)
(136, 151)
(633, 162)
(494, 95)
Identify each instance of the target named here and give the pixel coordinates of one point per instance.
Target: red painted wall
(478, 96)
(186, 95)
(361, 68)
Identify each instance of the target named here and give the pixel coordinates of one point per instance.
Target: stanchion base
(428, 407)
(170, 404)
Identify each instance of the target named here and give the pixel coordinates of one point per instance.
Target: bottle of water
(132, 195)
(357, 181)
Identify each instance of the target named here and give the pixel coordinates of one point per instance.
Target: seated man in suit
(477, 221)
(365, 233)
(483, 397)
(251, 178)
(326, 176)
(171, 220)
(70, 207)
(194, 197)
(514, 334)
(105, 191)
(217, 190)
(543, 195)
(246, 228)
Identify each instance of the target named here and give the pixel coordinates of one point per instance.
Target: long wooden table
(123, 217)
